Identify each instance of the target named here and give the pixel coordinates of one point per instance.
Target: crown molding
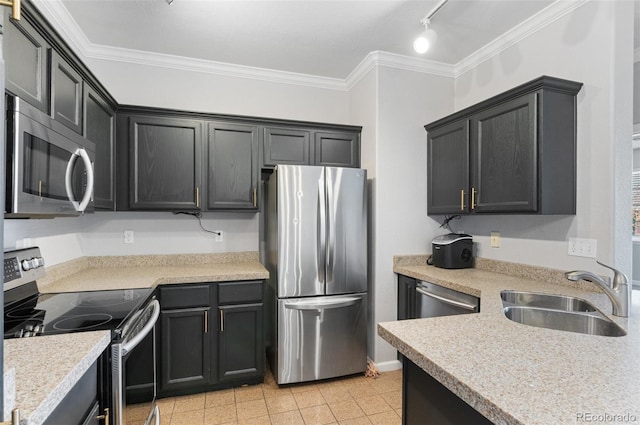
(546, 16)
(392, 60)
(61, 19)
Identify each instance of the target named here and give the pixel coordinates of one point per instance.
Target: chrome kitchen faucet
(619, 292)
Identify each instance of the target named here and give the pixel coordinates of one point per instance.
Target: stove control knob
(38, 261)
(27, 265)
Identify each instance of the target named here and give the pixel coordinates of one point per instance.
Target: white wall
(138, 84)
(398, 103)
(593, 45)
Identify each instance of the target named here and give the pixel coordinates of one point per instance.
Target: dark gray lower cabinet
(82, 405)
(426, 401)
(211, 336)
(185, 349)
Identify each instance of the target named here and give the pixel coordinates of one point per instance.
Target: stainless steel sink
(557, 312)
(592, 324)
(552, 301)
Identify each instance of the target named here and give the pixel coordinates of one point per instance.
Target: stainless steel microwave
(49, 168)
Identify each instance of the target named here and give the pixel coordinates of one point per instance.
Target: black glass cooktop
(65, 312)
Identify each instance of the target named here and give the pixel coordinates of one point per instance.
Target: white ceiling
(326, 38)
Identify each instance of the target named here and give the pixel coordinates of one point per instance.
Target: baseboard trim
(388, 366)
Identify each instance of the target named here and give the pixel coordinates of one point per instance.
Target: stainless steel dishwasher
(434, 301)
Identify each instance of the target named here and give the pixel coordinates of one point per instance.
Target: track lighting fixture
(426, 39)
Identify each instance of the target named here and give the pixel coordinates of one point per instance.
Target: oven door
(49, 171)
(132, 358)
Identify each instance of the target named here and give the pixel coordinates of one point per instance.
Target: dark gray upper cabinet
(99, 127)
(504, 171)
(448, 168)
(165, 163)
(521, 150)
(337, 149)
(26, 55)
(232, 171)
(310, 146)
(66, 93)
(286, 146)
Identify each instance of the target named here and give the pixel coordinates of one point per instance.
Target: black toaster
(452, 251)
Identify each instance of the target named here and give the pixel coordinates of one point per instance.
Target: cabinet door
(66, 94)
(286, 146)
(185, 349)
(448, 169)
(337, 149)
(26, 60)
(232, 172)
(504, 149)
(99, 127)
(240, 342)
(165, 157)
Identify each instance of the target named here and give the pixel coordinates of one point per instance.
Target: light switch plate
(581, 247)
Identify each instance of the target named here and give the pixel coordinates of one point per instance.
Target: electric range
(130, 315)
(29, 313)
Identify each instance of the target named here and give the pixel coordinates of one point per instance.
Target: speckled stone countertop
(143, 271)
(518, 374)
(47, 367)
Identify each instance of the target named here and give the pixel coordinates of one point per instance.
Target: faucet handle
(619, 278)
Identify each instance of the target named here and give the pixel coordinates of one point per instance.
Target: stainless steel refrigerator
(316, 243)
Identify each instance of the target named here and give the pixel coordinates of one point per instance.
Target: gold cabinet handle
(462, 199)
(221, 320)
(105, 416)
(197, 197)
(206, 321)
(473, 198)
(15, 418)
(15, 14)
(255, 198)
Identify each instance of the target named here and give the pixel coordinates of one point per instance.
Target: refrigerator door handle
(322, 305)
(331, 216)
(322, 230)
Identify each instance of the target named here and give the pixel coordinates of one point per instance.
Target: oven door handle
(155, 415)
(131, 343)
(447, 300)
(81, 206)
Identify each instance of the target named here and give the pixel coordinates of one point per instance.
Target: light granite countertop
(47, 367)
(145, 271)
(517, 374)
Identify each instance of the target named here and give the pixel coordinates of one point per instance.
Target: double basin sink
(558, 312)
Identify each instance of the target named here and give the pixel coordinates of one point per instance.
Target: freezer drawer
(321, 337)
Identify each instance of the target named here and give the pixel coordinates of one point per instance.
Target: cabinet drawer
(240, 292)
(184, 296)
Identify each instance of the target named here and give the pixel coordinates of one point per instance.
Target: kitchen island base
(426, 401)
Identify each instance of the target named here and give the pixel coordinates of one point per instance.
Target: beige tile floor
(354, 400)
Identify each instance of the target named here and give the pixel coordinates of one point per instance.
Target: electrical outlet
(495, 239)
(219, 236)
(580, 247)
(128, 236)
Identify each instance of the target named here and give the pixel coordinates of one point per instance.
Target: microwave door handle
(67, 179)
